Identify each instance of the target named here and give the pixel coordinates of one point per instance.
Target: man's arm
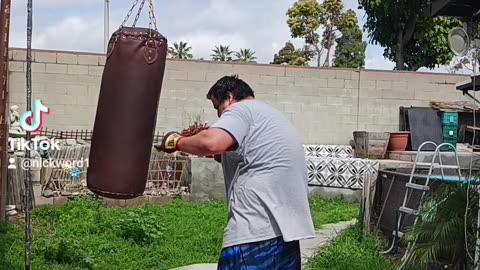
(224, 135)
(208, 142)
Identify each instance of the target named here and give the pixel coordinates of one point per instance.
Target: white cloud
(379, 62)
(233, 23)
(71, 33)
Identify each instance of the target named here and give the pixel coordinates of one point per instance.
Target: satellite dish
(458, 41)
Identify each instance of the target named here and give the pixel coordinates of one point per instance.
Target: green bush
(140, 225)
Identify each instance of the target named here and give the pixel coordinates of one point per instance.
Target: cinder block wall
(325, 104)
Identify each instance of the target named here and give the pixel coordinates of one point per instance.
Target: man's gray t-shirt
(265, 177)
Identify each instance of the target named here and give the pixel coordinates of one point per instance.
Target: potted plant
(398, 140)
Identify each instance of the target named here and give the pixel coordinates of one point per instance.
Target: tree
(411, 39)
(288, 55)
(334, 19)
(180, 50)
(350, 51)
(305, 17)
(222, 53)
(245, 56)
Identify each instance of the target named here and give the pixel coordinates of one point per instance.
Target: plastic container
(447, 147)
(450, 118)
(450, 131)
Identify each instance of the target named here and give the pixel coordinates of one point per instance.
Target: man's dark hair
(230, 84)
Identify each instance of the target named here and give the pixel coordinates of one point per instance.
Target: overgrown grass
(350, 250)
(331, 211)
(85, 235)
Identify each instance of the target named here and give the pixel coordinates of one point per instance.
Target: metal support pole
(476, 262)
(28, 180)
(4, 41)
(106, 25)
(477, 240)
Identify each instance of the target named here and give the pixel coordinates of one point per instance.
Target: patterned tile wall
(336, 151)
(334, 166)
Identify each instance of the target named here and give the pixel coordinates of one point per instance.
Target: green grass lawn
(350, 250)
(85, 235)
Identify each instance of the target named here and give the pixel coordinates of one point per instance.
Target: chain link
(151, 13)
(129, 12)
(138, 13)
(153, 20)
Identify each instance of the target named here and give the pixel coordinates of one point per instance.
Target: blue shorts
(273, 254)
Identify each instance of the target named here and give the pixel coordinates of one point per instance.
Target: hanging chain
(152, 16)
(151, 13)
(130, 13)
(138, 13)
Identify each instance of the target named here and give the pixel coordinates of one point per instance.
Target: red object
(398, 141)
(194, 129)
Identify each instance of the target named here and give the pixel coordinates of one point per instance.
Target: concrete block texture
(67, 58)
(45, 57)
(325, 104)
(207, 180)
(90, 60)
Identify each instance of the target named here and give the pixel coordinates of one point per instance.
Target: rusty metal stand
(5, 8)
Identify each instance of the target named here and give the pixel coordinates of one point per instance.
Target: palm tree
(222, 53)
(180, 51)
(245, 56)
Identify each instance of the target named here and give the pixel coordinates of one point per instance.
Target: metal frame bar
(5, 8)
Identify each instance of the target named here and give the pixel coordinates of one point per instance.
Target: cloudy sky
(77, 25)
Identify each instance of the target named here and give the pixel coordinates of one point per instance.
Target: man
(265, 178)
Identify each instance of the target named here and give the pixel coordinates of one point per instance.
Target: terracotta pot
(398, 141)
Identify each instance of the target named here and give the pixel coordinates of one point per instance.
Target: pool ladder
(412, 187)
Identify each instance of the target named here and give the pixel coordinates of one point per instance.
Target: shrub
(140, 225)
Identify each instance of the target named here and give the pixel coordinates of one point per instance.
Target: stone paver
(307, 247)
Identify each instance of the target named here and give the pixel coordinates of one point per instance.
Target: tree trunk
(327, 59)
(319, 54)
(399, 54)
(402, 41)
(329, 45)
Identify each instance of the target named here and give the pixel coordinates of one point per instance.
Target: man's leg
(274, 254)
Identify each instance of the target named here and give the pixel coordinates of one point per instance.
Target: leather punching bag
(126, 113)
